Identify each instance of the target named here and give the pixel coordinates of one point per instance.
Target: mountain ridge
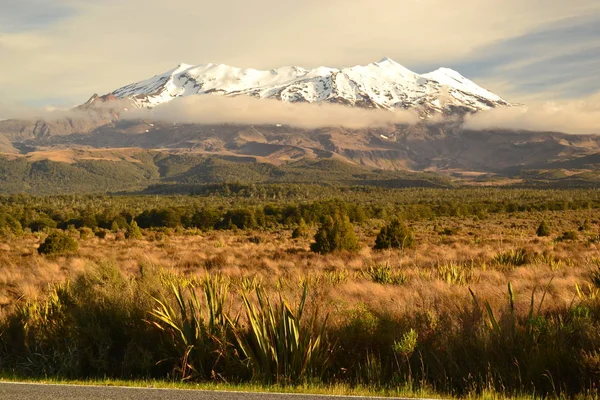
(385, 84)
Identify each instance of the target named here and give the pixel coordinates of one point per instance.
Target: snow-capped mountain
(384, 84)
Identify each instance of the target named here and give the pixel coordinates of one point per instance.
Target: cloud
(557, 60)
(250, 111)
(23, 15)
(575, 116)
(96, 46)
(16, 111)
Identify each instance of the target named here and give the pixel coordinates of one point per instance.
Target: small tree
(134, 231)
(301, 230)
(543, 229)
(58, 243)
(335, 234)
(394, 235)
(114, 227)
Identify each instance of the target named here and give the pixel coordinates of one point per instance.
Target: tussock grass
(433, 318)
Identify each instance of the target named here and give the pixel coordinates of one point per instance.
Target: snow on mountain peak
(384, 84)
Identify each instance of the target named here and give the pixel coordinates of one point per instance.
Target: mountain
(96, 147)
(384, 84)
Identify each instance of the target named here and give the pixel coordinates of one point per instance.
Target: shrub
(9, 224)
(394, 235)
(515, 258)
(85, 233)
(197, 325)
(134, 231)
(385, 274)
(101, 233)
(114, 227)
(301, 230)
(58, 243)
(281, 344)
(568, 235)
(42, 223)
(335, 234)
(543, 229)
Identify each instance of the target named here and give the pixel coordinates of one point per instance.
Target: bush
(568, 235)
(101, 233)
(58, 243)
(42, 223)
(385, 274)
(85, 233)
(134, 231)
(301, 230)
(515, 258)
(394, 235)
(543, 229)
(335, 234)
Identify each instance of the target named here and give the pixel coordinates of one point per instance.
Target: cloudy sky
(59, 52)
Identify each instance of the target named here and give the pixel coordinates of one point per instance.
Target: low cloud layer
(16, 111)
(249, 111)
(19, 111)
(576, 116)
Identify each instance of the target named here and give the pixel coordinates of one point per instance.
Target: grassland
(479, 306)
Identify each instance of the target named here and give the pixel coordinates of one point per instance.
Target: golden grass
(271, 256)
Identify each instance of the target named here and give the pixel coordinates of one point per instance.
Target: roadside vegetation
(462, 293)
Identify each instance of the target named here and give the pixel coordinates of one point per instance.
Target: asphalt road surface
(27, 391)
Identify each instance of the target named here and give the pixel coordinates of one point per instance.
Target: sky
(60, 52)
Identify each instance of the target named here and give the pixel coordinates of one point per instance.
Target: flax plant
(278, 343)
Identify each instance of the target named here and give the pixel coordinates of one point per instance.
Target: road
(28, 391)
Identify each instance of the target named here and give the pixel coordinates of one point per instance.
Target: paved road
(26, 391)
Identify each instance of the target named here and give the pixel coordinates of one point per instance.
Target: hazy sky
(59, 52)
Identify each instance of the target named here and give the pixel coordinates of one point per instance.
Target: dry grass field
(441, 267)
(476, 305)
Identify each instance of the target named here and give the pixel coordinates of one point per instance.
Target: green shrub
(280, 343)
(133, 231)
(196, 325)
(334, 235)
(114, 227)
(301, 231)
(10, 224)
(394, 235)
(543, 229)
(58, 243)
(42, 223)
